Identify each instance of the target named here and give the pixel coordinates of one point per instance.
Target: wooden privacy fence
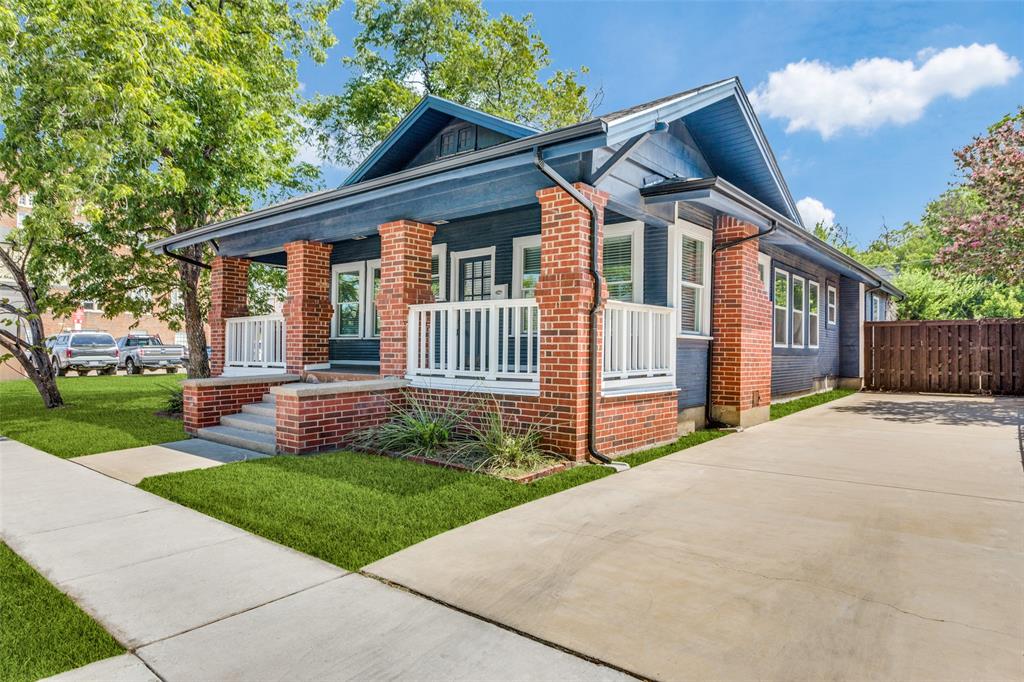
(945, 356)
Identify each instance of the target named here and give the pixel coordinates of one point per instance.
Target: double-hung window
(781, 309)
(373, 284)
(832, 305)
(623, 259)
(813, 292)
(347, 289)
(798, 294)
(525, 266)
(691, 267)
(764, 270)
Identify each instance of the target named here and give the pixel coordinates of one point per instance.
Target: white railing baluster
(256, 342)
(639, 346)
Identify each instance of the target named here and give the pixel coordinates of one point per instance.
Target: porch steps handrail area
(639, 346)
(491, 345)
(255, 342)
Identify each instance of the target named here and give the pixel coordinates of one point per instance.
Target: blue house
(457, 260)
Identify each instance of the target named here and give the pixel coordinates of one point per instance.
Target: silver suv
(84, 351)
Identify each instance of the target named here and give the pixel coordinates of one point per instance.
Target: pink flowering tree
(987, 239)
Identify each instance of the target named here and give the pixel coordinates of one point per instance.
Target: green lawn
(42, 632)
(779, 410)
(100, 414)
(351, 509)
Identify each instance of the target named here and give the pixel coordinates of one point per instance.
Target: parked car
(140, 352)
(84, 351)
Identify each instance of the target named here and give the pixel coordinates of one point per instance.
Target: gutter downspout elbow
(595, 307)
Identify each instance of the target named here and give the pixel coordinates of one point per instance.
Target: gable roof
(417, 128)
(722, 122)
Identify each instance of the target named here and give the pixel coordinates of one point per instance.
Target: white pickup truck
(140, 352)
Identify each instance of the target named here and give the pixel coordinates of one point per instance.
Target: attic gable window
(459, 140)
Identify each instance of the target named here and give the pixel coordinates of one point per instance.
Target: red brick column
(308, 310)
(405, 252)
(564, 295)
(229, 297)
(741, 369)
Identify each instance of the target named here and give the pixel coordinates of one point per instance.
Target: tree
(182, 111)
(836, 234)
(450, 48)
(989, 242)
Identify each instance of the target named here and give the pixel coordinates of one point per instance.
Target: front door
(474, 278)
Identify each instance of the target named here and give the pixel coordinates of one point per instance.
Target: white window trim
(765, 261)
(803, 311)
(519, 244)
(456, 256)
(441, 251)
(680, 228)
(635, 230)
(789, 302)
(355, 266)
(369, 307)
(831, 306)
(817, 316)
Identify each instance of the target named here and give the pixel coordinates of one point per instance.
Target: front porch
(423, 314)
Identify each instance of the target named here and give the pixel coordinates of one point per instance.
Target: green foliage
(175, 400)
(101, 414)
(451, 48)
(416, 429)
(779, 410)
(504, 449)
(931, 297)
(160, 117)
(43, 632)
(267, 286)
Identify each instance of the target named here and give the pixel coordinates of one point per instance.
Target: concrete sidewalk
(195, 598)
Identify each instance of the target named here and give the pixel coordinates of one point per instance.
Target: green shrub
(175, 400)
(497, 447)
(415, 430)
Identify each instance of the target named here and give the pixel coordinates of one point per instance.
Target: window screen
(691, 285)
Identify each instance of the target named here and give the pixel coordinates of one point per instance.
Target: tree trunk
(198, 362)
(30, 353)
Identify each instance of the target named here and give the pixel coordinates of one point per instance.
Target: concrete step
(269, 398)
(239, 438)
(266, 409)
(250, 422)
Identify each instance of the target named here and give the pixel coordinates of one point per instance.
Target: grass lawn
(779, 410)
(100, 414)
(42, 632)
(351, 509)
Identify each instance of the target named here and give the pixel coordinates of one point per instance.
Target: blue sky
(865, 163)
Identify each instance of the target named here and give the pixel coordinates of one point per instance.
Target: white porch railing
(639, 346)
(255, 344)
(487, 345)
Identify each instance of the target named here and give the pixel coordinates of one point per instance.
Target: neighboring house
(88, 316)
(456, 260)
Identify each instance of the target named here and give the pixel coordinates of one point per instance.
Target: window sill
(695, 337)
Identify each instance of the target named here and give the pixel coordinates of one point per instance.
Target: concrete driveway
(880, 536)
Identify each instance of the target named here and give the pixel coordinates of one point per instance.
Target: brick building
(614, 281)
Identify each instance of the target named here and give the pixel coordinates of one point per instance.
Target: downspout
(711, 290)
(595, 307)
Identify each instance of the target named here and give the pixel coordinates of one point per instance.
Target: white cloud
(814, 95)
(813, 212)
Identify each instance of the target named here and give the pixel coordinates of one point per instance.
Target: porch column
(741, 323)
(229, 297)
(405, 253)
(564, 294)
(307, 308)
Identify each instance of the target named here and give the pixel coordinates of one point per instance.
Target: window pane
(812, 329)
(692, 262)
(347, 292)
(689, 309)
(531, 271)
(466, 141)
(812, 299)
(375, 287)
(780, 326)
(798, 312)
(435, 277)
(618, 267)
(448, 142)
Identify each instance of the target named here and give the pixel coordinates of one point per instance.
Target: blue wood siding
(849, 327)
(795, 370)
(431, 150)
(496, 229)
(691, 372)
